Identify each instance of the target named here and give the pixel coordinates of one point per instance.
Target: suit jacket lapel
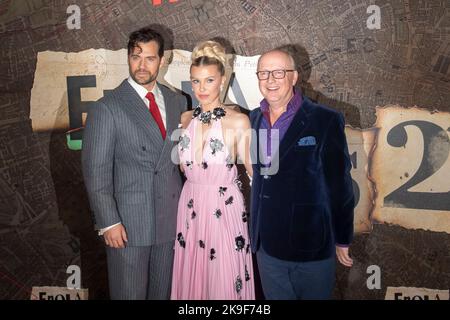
(291, 136)
(171, 116)
(172, 120)
(296, 128)
(136, 107)
(255, 150)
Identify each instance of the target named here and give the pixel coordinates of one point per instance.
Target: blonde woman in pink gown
(213, 258)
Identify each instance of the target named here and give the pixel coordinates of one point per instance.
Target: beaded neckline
(206, 117)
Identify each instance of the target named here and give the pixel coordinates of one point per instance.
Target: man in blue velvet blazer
(302, 196)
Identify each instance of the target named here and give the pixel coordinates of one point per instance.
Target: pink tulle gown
(213, 258)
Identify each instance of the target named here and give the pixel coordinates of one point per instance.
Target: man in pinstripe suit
(132, 184)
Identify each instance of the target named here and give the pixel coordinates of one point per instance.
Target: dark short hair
(145, 35)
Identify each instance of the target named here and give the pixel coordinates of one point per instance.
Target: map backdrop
(384, 64)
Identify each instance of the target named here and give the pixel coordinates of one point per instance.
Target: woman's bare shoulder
(232, 108)
(236, 118)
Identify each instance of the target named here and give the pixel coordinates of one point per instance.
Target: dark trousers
(140, 273)
(290, 280)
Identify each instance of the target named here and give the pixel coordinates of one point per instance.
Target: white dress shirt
(142, 92)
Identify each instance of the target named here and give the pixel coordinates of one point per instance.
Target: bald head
(279, 54)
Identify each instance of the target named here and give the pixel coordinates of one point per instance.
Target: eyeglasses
(276, 74)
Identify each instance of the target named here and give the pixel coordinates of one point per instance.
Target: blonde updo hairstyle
(209, 53)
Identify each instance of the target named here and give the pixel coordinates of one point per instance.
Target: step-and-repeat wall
(384, 64)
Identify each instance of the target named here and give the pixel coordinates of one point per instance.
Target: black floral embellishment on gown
(202, 244)
(212, 254)
(238, 183)
(215, 145)
(205, 117)
(196, 112)
(190, 204)
(193, 215)
(184, 142)
(247, 275)
(229, 200)
(180, 239)
(229, 163)
(189, 164)
(240, 243)
(244, 216)
(247, 249)
(238, 284)
(219, 112)
(218, 213)
(204, 165)
(222, 190)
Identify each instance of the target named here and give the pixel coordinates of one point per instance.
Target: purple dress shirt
(281, 125)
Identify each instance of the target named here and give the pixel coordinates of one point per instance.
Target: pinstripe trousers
(140, 273)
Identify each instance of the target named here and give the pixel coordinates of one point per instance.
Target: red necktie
(154, 110)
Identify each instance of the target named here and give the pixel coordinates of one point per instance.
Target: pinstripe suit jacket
(127, 167)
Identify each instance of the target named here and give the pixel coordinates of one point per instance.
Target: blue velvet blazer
(302, 211)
